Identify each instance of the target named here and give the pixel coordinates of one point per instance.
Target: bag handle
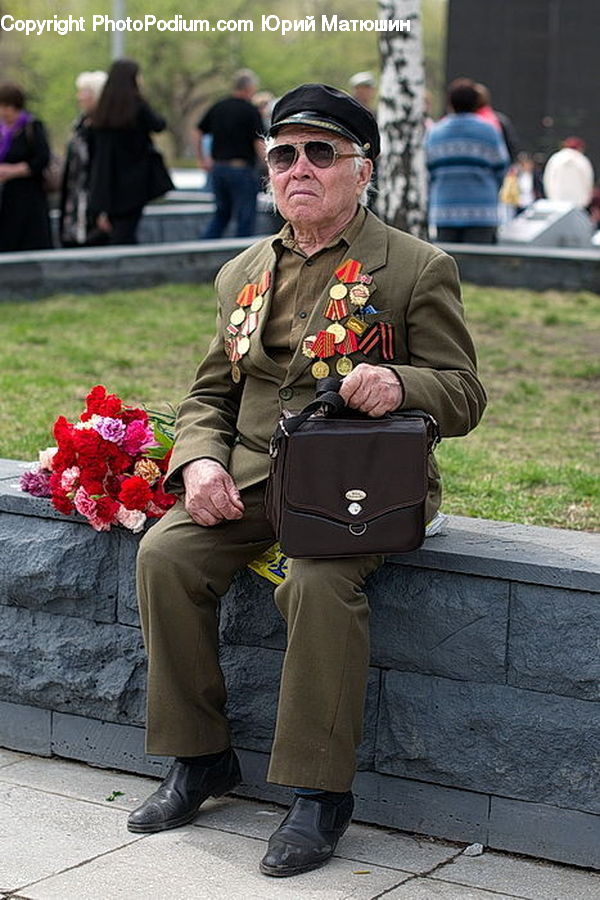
(328, 402)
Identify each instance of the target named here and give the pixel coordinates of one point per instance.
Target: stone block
(72, 665)
(490, 738)
(553, 643)
(249, 615)
(127, 606)
(61, 567)
(439, 623)
(528, 553)
(565, 835)
(25, 728)
(422, 808)
(252, 676)
(105, 744)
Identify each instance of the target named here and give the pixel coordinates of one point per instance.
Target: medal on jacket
(324, 347)
(243, 321)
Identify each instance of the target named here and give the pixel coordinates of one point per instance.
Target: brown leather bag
(345, 484)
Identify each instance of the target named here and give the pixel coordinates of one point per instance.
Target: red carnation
(131, 413)
(135, 493)
(64, 458)
(161, 498)
(89, 444)
(106, 509)
(61, 502)
(63, 432)
(99, 403)
(118, 460)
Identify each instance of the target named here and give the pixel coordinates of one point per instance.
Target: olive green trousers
(183, 570)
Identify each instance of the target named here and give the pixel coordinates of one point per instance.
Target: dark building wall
(539, 59)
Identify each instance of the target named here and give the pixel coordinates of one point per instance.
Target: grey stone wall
(178, 256)
(482, 719)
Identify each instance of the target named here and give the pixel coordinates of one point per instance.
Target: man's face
(308, 196)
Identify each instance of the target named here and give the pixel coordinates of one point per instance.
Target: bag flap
(356, 469)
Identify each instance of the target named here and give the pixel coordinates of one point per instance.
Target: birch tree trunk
(402, 177)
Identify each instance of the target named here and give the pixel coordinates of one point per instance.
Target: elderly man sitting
(335, 292)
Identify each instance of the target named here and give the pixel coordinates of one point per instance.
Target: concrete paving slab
(196, 862)
(41, 834)
(425, 889)
(526, 877)
(376, 846)
(79, 781)
(229, 814)
(9, 757)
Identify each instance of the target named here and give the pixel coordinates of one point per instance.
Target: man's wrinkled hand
(210, 493)
(374, 390)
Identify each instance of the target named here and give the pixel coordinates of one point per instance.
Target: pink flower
(84, 504)
(110, 429)
(46, 456)
(69, 479)
(36, 483)
(138, 438)
(133, 519)
(98, 524)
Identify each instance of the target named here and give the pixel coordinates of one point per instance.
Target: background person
(466, 160)
(236, 127)
(569, 175)
(121, 169)
(276, 301)
(364, 87)
(24, 154)
(77, 223)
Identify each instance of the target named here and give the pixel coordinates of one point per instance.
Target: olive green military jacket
(415, 287)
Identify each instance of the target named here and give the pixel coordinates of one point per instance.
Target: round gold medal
(243, 345)
(338, 291)
(359, 294)
(338, 331)
(257, 303)
(344, 366)
(320, 369)
(236, 373)
(237, 316)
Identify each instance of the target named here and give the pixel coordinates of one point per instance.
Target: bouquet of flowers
(109, 466)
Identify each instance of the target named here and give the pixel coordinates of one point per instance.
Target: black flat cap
(322, 106)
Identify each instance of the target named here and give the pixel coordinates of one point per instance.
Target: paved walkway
(62, 838)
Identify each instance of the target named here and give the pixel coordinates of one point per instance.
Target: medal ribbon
(246, 295)
(349, 271)
(265, 282)
(348, 345)
(381, 331)
(386, 330)
(324, 345)
(249, 324)
(337, 310)
(370, 340)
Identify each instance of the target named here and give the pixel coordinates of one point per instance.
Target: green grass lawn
(534, 458)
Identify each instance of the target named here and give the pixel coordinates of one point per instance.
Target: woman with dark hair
(24, 154)
(123, 168)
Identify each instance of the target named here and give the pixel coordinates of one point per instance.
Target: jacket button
(286, 393)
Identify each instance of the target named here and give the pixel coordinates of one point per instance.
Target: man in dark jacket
(236, 128)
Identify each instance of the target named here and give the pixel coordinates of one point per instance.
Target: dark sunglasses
(321, 154)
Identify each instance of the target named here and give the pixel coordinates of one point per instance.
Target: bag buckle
(357, 530)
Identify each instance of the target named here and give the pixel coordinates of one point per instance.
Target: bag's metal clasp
(357, 530)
